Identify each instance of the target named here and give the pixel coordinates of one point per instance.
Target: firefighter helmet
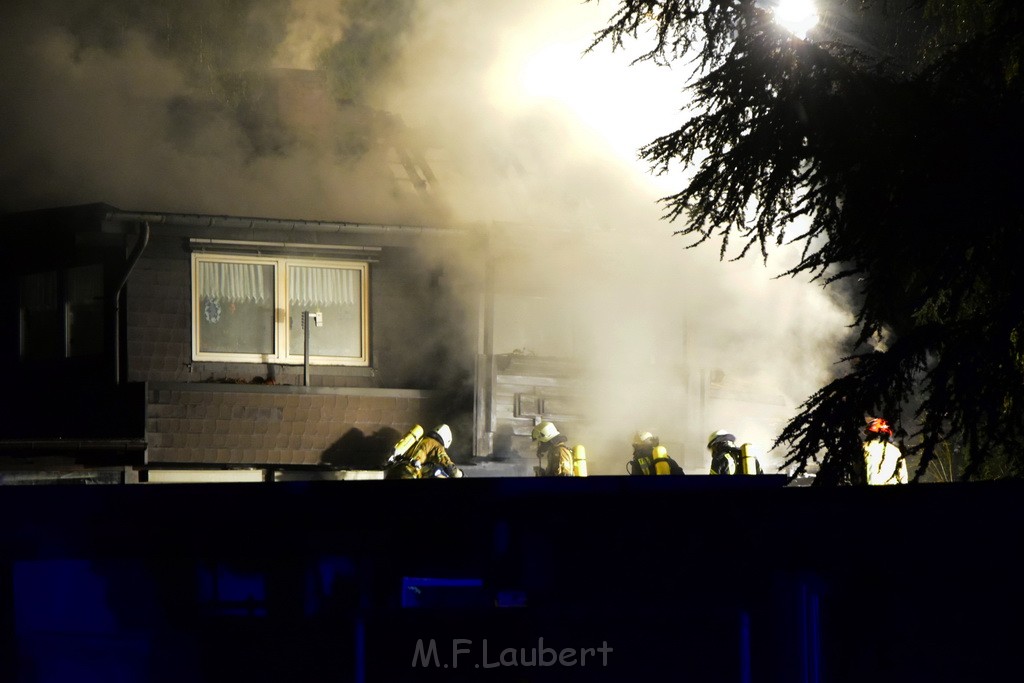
(544, 432)
(879, 426)
(645, 439)
(445, 432)
(720, 436)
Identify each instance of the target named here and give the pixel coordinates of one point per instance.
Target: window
(62, 313)
(249, 309)
(42, 324)
(85, 310)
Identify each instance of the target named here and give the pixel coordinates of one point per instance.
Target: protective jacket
(723, 460)
(557, 458)
(884, 463)
(728, 459)
(424, 460)
(643, 463)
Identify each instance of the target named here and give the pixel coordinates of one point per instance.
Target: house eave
(255, 224)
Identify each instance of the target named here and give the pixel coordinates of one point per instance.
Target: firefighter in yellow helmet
(728, 458)
(427, 458)
(555, 457)
(650, 457)
(883, 461)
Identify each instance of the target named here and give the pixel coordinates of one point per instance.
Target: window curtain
(232, 282)
(309, 286)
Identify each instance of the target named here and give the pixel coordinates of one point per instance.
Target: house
(155, 344)
(158, 345)
(149, 342)
(163, 345)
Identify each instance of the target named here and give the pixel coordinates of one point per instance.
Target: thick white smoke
(521, 132)
(313, 26)
(673, 340)
(133, 111)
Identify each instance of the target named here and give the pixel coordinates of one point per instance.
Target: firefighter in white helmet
(883, 461)
(404, 444)
(728, 458)
(650, 457)
(555, 457)
(427, 458)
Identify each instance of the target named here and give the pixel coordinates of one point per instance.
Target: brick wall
(215, 413)
(419, 337)
(246, 425)
(159, 318)
(160, 332)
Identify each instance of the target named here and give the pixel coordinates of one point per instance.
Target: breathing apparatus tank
(661, 463)
(748, 459)
(407, 441)
(579, 461)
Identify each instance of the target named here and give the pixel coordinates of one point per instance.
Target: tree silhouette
(895, 172)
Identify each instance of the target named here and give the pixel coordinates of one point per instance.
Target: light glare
(796, 16)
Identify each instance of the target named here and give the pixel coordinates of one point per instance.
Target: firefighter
(883, 461)
(728, 458)
(427, 458)
(404, 444)
(650, 457)
(554, 456)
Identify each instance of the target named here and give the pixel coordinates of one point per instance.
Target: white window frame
(280, 266)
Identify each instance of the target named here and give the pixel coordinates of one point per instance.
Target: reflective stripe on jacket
(427, 455)
(558, 459)
(723, 463)
(884, 463)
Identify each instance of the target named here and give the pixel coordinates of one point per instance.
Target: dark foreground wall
(602, 579)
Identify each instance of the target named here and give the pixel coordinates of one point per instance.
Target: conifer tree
(896, 171)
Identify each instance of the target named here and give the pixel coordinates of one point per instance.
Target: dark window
(62, 313)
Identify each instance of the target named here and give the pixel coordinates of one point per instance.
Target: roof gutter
(250, 223)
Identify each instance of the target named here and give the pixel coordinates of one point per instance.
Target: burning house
(168, 342)
(156, 343)
(218, 268)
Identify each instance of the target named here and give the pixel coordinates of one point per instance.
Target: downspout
(133, 259)
(485, 412)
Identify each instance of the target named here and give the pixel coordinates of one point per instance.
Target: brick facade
(160, 329)
(209, 424)
(144, 386)
(221, 413)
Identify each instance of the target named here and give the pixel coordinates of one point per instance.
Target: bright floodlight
(796, 16)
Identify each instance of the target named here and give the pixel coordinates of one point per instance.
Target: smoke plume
(447, 112)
